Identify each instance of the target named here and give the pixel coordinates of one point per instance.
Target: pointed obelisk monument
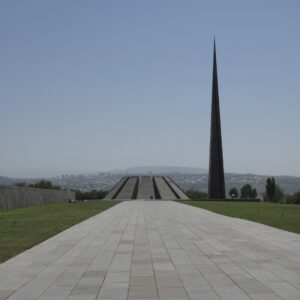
(216, 184)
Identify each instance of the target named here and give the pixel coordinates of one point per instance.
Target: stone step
(146, 188)
(164, 190)
(129, 189)
(180, 194)
(116, 189)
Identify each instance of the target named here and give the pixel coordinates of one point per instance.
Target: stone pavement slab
(157, 250)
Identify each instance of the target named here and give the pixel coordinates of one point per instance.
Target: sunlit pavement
(158, 250)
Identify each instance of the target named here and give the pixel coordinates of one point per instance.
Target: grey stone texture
(146, 189)
(164, 190)
(16, 197)
(158, 250)
(180, 194)
(116, 189)
(216, 183)
(129, 189)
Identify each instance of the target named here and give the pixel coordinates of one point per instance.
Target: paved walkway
(158, 250)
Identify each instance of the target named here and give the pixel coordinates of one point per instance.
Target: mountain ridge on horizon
(160, 170)
(145, 170)
(106, 180)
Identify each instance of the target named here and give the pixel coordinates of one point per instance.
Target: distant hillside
(290, 184)
(186, 181)
(160, 170)
(6, 180)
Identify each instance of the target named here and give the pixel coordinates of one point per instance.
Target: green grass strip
(22, 228)
(282, 216)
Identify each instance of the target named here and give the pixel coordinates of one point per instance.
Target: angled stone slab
(180, 194)
(163, 189)
(116, 189)
(146, 188)
(129, 189)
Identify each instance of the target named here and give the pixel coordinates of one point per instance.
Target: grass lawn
(283, 216)
(23, 228)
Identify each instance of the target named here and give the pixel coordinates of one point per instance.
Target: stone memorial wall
(15, 197)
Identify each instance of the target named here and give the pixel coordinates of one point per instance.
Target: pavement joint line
(216, 265)
(131, 259)
(68, 229)
(101, 249)
(154, 274)
(159, 232)
(196, 267)
(36, 275)
(161, 249)
(212, 262)
(242, 254)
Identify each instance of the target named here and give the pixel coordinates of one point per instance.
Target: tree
(254, 194)
(270, 189)
(248, 192)
(278, 195)
(294, 198)
(193, 194)
(20, 184)
(45, 184)
(91, 195)
(233, 192)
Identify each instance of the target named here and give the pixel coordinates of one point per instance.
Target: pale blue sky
(99, 85)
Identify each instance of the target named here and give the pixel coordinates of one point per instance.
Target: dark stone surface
(146, 188)
(15, 197)
(216, 185)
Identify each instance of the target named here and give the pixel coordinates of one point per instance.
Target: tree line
(79, 195)
(273, 193)
(42, 184)
(92, 195)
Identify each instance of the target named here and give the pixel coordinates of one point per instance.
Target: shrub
(294, 198)
(270, 189)
(248, 192)
(277, 197)
(42, 184)
(94, 194)
(233, 193)
(196, 195)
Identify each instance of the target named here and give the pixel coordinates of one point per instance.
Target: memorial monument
(216, 184)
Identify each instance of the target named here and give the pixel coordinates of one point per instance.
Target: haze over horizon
(47, 174)
(101, 85)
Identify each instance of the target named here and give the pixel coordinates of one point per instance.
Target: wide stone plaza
(158, 250)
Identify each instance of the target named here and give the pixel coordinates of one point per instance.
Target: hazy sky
(99, 85)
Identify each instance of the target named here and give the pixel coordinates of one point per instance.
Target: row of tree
(45, 184)
(247, 192)
(273, 193)
(294, 198)
(93, 195)
(193, 194)
(42, 184)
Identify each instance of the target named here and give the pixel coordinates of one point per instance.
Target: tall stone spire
(216, 185)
